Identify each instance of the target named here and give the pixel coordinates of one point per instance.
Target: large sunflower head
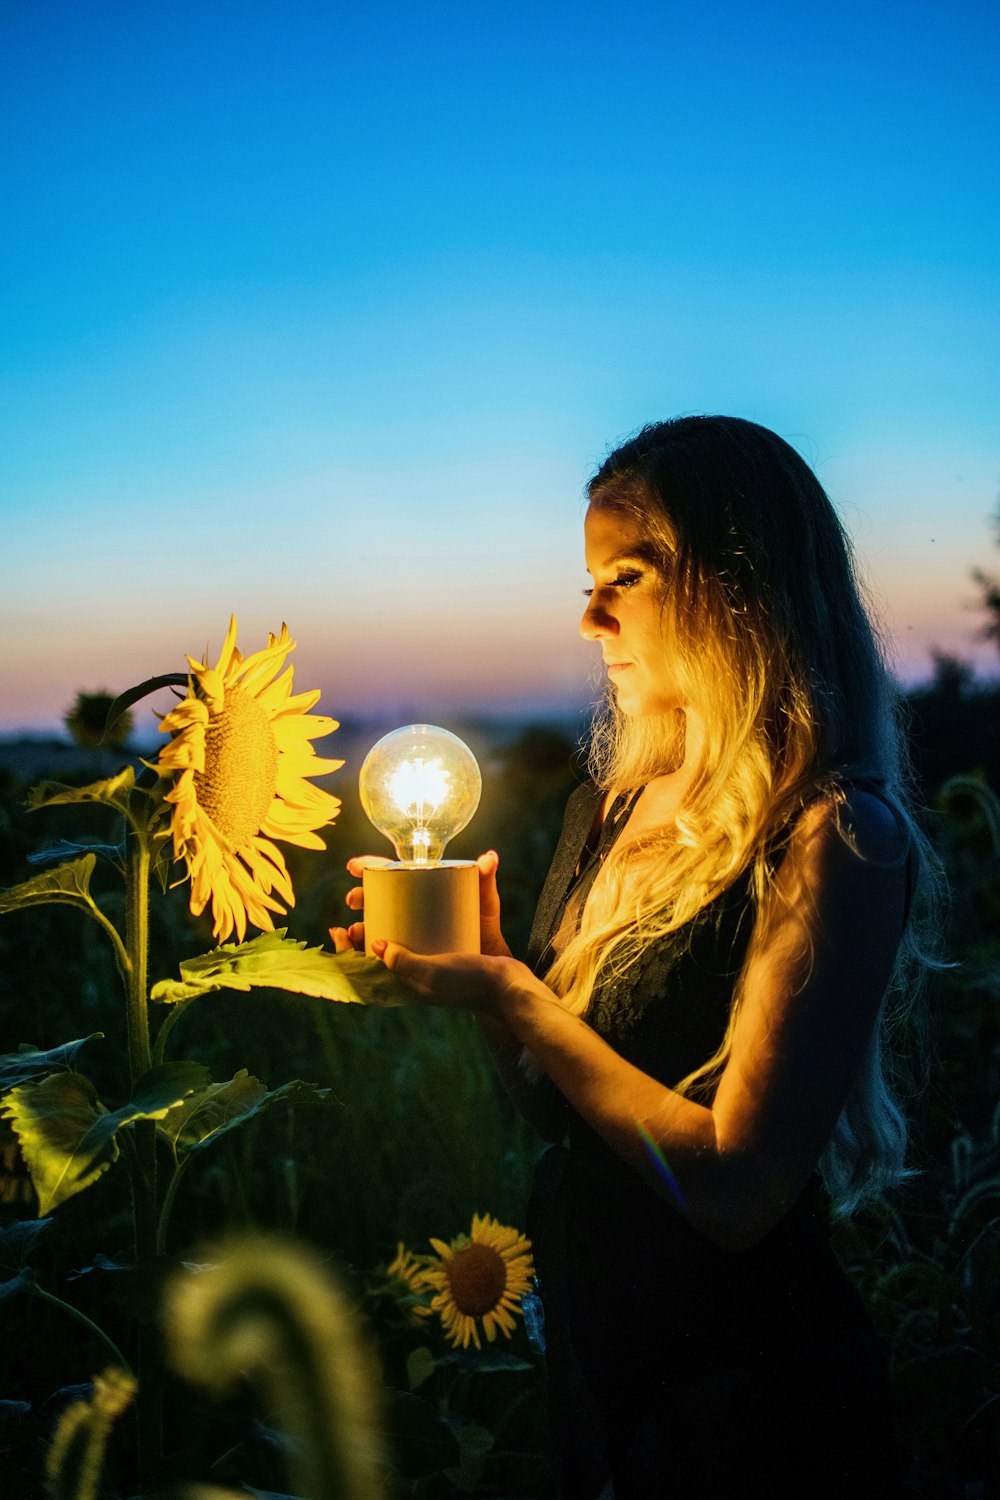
(239, 753)
(479, 1280)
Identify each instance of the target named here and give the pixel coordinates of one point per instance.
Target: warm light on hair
(767, 637)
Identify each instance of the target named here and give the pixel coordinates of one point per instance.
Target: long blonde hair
(765, 631)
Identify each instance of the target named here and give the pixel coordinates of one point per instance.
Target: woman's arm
(812, 987)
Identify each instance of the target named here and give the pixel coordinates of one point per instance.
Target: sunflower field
(262, 1224)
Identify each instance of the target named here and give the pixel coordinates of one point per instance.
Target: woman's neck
(663, 796)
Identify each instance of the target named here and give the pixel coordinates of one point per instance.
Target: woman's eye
(620, 581)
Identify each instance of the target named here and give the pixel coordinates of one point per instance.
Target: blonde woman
(720, 949)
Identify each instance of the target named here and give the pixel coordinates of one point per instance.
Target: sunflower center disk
(478, 1279)
(237, 785)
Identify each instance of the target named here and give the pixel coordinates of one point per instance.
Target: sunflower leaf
(18, 1240)
(68, 883)
(274, 961)
(486, 1361)
(19, 1067)
(16, 1284)
(132, 695)
(67, 1136)
(162, 1089)
(420, 1366)
(225, 1106)
(113, 853)
(211, 1110)
(52, 1119)
(163, 858)
(114, 792)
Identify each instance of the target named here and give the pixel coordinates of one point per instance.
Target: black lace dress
(677, 1367)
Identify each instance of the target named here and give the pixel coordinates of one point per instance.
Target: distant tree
(954, 723)
(87, 719)
(989, 585)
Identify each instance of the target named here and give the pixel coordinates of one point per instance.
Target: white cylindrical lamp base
(427, 908)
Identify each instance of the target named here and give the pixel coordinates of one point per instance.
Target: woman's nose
(596, 622)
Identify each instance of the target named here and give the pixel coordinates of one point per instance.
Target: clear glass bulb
(420, 786)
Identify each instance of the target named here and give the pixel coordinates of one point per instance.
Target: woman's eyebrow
(642, 552)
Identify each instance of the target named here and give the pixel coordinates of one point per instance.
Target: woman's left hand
(463, 981)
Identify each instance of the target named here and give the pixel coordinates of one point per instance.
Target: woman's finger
(412, 968)
(491, 939)
(359, 863)
(346, 939)
(355, 897)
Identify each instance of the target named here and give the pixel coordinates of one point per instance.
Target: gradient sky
(325, 313)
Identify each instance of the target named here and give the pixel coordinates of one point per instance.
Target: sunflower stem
(167, 1025)
(143, 1175)
(122, 961)
(168, 1204)
(137, 943)
(81, 1317)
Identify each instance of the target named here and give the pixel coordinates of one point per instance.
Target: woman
(720, 946)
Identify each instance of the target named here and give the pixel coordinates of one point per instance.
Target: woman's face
(625, 613)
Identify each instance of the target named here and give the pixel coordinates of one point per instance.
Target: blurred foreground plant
(269, 1313)
(74, 1461)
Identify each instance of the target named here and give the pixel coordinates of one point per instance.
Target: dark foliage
(422, 1138)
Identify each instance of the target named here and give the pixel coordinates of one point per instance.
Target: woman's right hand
(491, 939)
(346, 938)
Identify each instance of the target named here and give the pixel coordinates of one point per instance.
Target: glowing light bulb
(420, 786)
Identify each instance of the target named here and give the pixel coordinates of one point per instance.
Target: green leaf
(68, 1137)
(488, 1361)
(18, 1240)
(211, 1110)
(132, 695)
(296, 1094)
(114, 792)
(16, 1283)
(52, 1119)
(68, 884)
(417, 1435)
(475, 1444)
(18, 1067)
(274, 961)
(157, 1092)
(162, 861)
(113, 853)
(420, 1366)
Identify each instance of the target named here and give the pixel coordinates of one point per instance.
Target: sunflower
(406, 1276)
(480, 1278)
(238, 757)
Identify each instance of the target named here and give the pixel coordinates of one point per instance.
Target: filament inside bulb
(418, 787)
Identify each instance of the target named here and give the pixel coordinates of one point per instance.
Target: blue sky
(325, 313)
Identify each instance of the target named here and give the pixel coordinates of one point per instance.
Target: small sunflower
(406, 1276)
(238, 757)
(480, 1278)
